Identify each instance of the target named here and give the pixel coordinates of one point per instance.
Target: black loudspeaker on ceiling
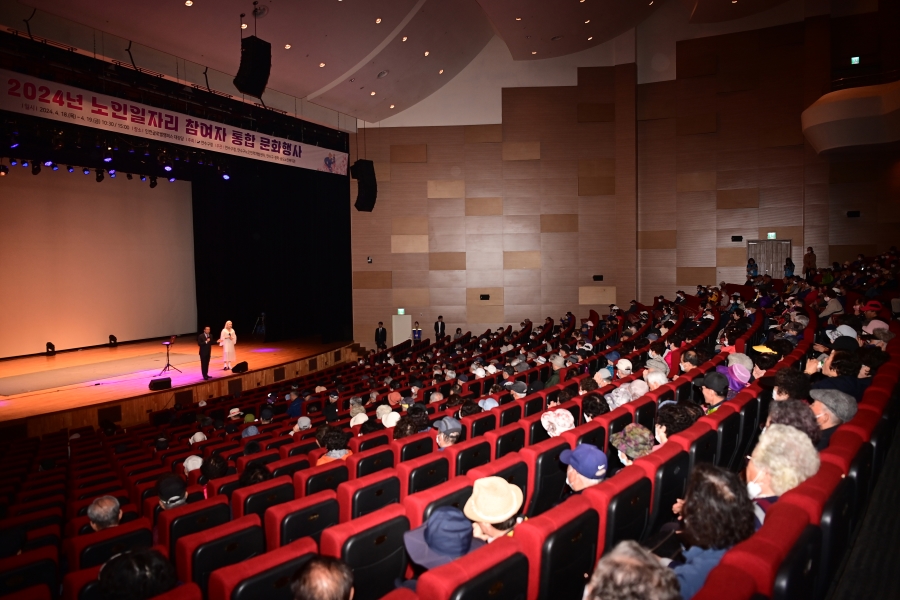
(363, 171)
(256, 63)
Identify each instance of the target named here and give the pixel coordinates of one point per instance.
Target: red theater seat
(546, 474)
(534, 429)
(508, 414)
(372, 546)
(199, 554)
(369, 461)
(96, 548)
(726, 581)
(726, 422)
(255, 499)
(700, 441)
(561, 547)
(324, 477)
(593, 433)
(263, 458)
(288, 466)
(422, 473)
(413, 446)
(454, 492)
(511, 468)
(35, 592)
(186, 591)
(478, 424)
(510, 438)
(643, 411)
(265, 576)
(467, 455)
(22, 571)
(667, 470)
(309, 516)
(174, 524)
(498, 570)
(367, 494)
(623, 503)
(368, 441)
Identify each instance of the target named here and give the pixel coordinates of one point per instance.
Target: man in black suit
(205, 343)
(439, 327)
(380, 336)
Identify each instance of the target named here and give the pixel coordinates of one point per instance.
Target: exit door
(769, 255)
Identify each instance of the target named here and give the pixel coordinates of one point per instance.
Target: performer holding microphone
(227, 340)
(205, 342)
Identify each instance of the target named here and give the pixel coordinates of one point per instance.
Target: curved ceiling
(338, 48)
(716, 11)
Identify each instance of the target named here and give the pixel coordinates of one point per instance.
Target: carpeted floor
(43, 380)
(871, 569)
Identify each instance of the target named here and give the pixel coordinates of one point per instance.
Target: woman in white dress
(227, 340)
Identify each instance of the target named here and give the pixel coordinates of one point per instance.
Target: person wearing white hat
(197, 437)
(235, 414)
(303, 423)
(359, 419)
(390, 419)
(192, 463)
(623, 368)
(381, 411)
(557, 421)
(493, 508)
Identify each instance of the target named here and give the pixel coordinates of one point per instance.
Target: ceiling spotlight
(426, 53)
(152, 181)
(128, 176)
(404, 38)
(190, 2)
(590, 37)
(223, 173)
(378, 20)
(99, 177)
(392, 106)
(48, 163)
(70, 169)
(143, 178)
(55, 167)
(13, 161)
(534, 51)
(321, 65)
(371, 93)
(35, 168)
(243, 26)
(287, 46)
(518, 18)
(588, 21)
(86, 171)
(3, 170)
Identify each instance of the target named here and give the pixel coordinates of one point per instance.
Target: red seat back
(454, 493)
(308, 516)
(498, 567)
(261, 576)
(257, 498)
(367, 494)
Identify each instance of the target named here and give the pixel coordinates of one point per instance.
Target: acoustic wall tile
(473, 296)
(745, 198)
(521, 150)
(410, 279)
(447, 188)
(596, 186)
(490, 315)
(484, 277)
(731, 257)
(692, 276)
(372, 280)
(594, 112)
(416, 153)
(522, 260)
(484, 260)
(446, 207)
(694, 124)
(654, 100)
(655, 240)
(417, 225)
(411, 296)
(559, 223)
(479, 134)
(486, 225)
(522, 205)
(516, 242)
(447, 279)
(695, 182)
(521, 224)
(407, 244)
(522, 295)
(447, 261)
(598, 295)
(447, 243)
(476, 207)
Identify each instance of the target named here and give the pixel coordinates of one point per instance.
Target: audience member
(790, 384)
(592, 406)
(449, 430)
(323, 578)
(557, 421)
(254, 473)
(586, 466)
(714, 387)
(405, 427)
(629, 572)
(213, 467)
(104, 512)
(797, 414)
(136, 575)
(831, 409)
(633, 442)
(493, 507)
(172, 491)
(445, 536)
(192, 463)
(840, 371)
(673, 418)
(335, 440)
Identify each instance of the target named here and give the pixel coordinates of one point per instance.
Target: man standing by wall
(809, 264)
(380, 336)
(439, 328)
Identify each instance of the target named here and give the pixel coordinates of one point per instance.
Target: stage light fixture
(35, 168)
(13, 141)
(171, 179)
(164, 161)
(223, 172)
(70, 169)
(86, 171)
(51, 349)
(25, 163)
(14, 161)
(99, 177)
(112, 173)
(152, 181)
(48, 163)
(143, 178)
(54, 166)
(128, 176)
(3, 170)
(107, 156)
(112, 340)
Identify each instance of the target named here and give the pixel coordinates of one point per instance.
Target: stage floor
(43, 373)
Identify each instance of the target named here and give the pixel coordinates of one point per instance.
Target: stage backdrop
(81, 260)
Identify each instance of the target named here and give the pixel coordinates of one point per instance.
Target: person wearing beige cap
(382, 410)
(493, 508)
(623, 368)
(197, 437)
(390, 419)
(192, 463)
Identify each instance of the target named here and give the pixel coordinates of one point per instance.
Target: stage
(64, 390)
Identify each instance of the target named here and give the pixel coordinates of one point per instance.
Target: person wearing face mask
(831, 409)
(783, 458)
(689, 360)
(679, 297)
(633, 442)
(714, 387)
(586, 467)
(671, 419)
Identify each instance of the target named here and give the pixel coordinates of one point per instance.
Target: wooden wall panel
(409, 244)
(521, 151)
(688, 276)
(447, 188)
(484, 206)
(731, 257)
(522, 260)
(484, 314)
(447, 261)
(654, 100)
(596, 295)
(559, 223)
(372, 280)
(473, 296)
(409, 225)
(404, 297)
(590, 112)
(694, 124)
(596, 186)
(772, 137)
(417, 153)
(597, 167)
(657, 240)
(745, 198)
(695, 182)
(480, 134)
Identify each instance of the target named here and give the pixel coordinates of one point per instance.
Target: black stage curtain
(275, 240)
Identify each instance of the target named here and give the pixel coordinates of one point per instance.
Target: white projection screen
(80, 260)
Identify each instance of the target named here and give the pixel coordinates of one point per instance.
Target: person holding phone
(227, 339)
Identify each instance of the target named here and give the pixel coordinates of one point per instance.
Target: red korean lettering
(58, 98)
(205, 130)
(76, 101)
(97, 108)
(154, 119)
(138, 115)
(191, 127)
(119, 110)
(170, 122)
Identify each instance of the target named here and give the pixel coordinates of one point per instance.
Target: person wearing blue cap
(586, 466)
(446, 536)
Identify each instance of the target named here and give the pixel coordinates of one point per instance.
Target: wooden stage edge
(49, 411)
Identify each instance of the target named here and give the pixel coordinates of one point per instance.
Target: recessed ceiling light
(588, 21)
(371, 93)
(590, 38)
(426, 53)
(243, 26)
(321, 65)
(188, 3)
(404, 38)
(534, 52)
(441, 72)
(378, 20)
(287, 46)
(392, 106)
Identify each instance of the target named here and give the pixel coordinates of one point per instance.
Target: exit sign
(770, 235)
(854, 60)
(401, 311)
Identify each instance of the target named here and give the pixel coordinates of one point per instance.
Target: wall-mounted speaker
(484, 297)
(853, 214)
(363, 171)
(598, 277)
(737, 238)
(256, 63)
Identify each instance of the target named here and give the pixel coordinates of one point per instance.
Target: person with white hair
(783, 459)
(104, 513)
(655, 379)
(228, 339)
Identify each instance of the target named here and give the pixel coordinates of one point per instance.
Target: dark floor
(872, 568)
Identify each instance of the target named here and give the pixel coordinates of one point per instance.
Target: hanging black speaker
(363, 171)
(256, 63)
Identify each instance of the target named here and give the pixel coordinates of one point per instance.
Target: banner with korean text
(32, 96)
